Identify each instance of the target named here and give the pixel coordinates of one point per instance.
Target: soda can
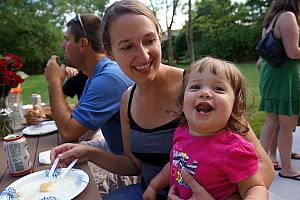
(17, 155)
(36, 100)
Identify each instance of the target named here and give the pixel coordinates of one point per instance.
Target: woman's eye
(150, 41)
(126, 47)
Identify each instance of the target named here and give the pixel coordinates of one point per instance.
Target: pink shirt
(217, 162)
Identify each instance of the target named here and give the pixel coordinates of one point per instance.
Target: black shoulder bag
(270, 48)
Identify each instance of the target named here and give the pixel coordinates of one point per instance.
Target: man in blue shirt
(99, 104)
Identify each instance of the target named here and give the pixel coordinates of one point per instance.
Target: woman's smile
(143, 68)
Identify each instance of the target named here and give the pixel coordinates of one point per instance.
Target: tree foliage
(225, 29)
(33, 29)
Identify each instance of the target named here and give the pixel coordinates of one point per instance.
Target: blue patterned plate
(42, 128)
(28, 187)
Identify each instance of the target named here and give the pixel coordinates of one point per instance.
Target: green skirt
(280, 88)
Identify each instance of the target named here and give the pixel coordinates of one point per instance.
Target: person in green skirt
(280, 86)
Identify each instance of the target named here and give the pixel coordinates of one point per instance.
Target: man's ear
(84, 43)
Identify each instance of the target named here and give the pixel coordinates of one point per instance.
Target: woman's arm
(258, 63)
(266, 171)
(253, 188)
(67, 152)
(135, 163)
(288, 31)
(125, 164)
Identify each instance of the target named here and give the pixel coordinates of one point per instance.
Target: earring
(111, 58)
(108, 55)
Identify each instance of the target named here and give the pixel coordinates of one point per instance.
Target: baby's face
(208, 102)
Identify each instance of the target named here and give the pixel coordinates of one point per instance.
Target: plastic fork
(44, 187)
(52, 169)
(52, 185)
(68, 168)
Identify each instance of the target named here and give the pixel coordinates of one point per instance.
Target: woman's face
(135, 46)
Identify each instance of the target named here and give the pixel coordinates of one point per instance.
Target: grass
(38, 85)
(35, 84)
(252, 76)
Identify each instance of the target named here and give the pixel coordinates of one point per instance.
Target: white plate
(40, 129)
(29, 106)
(27, 187)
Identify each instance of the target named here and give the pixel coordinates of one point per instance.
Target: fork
(44, 187)
(52, 169)
(52, 184)
(68, 168)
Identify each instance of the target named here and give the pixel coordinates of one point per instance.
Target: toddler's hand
(70, 71)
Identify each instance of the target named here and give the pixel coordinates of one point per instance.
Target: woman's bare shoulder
(174, 72)
(286, 17)
(126, 94)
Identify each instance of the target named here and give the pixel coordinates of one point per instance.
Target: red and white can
(36, 101)
(17, 155)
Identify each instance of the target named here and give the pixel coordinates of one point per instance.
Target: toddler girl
(208, 142)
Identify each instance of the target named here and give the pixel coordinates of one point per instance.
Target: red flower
(3, 62)
(15, 80)
(17, 61)
(8, 77)
(3, 65)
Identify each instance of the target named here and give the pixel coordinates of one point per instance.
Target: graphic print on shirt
(181, 161)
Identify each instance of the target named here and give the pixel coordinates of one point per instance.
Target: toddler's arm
(160, 181)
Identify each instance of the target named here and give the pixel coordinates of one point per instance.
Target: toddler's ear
(241, 104)
(238, 107)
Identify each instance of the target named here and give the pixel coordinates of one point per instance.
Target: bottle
(15, 103)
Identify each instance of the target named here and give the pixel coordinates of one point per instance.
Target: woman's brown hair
(118, 9)
(281, 5)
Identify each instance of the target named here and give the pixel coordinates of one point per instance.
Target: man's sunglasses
(78, 19)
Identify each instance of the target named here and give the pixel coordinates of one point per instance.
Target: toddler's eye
(195, 87)
(219, 89)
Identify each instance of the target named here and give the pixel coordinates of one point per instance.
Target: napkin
(44, 157)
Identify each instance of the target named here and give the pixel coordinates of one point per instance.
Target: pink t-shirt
(217, 162)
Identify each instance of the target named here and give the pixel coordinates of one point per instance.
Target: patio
(287, 189)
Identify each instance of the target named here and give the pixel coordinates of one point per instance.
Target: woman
(131, 36)
(280, 86)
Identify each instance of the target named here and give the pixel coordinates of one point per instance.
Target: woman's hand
(199, 192)
(258, 63)
(68, 152)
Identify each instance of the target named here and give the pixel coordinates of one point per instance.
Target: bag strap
(276, 17)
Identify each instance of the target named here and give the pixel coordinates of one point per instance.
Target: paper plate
(42, 128)
(28, 187)
(29, 106)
